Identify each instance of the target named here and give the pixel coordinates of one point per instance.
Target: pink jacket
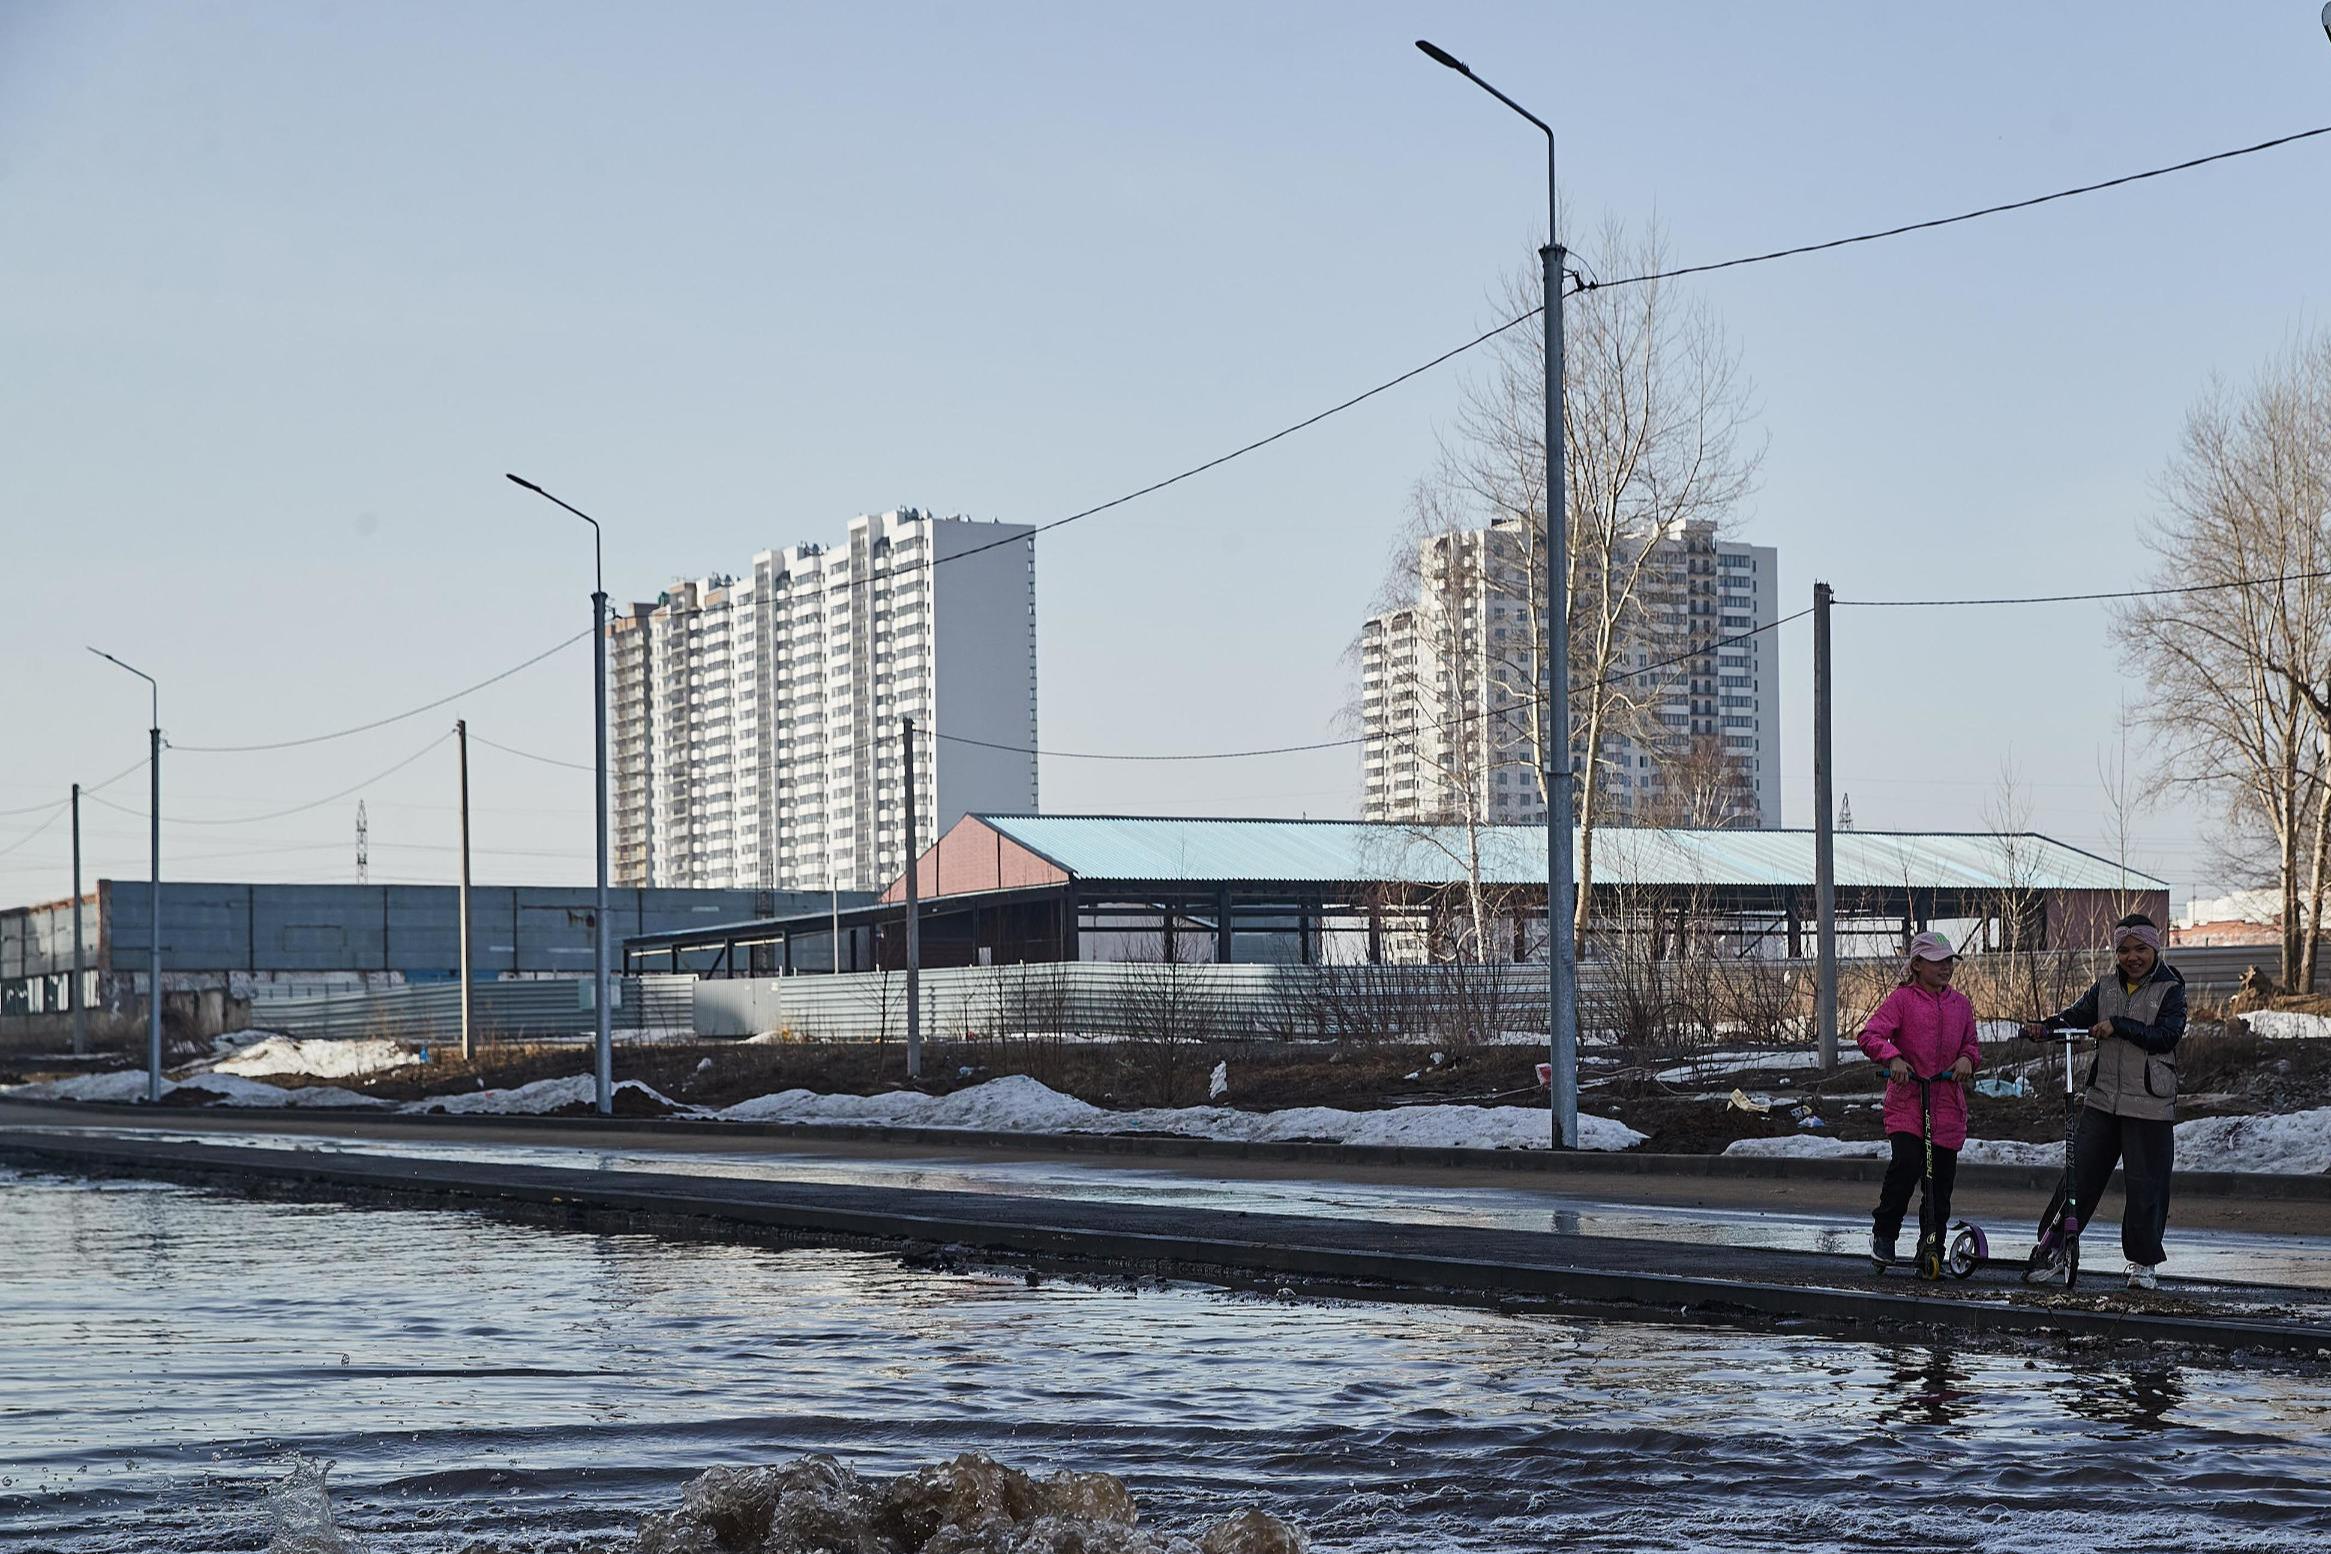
(1930, 1032)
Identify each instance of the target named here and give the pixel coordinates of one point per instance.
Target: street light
(153, 887)
(606, 1043)
(1561, 969)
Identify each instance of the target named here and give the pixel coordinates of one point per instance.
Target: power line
(317, 739)
(87, 789)
(1971, 215)
(1341, 744)
(2126, 593)
(296, 809)
(54, 815)
(477, 738)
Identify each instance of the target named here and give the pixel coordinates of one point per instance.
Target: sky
(285, 289)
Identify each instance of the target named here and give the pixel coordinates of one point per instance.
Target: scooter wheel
(1970, 1250)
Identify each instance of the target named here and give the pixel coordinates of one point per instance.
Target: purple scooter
(2060, 1226)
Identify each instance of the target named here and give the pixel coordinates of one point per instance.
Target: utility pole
(461, 741)
(1554, 744)
(601, 998)
(363, 846)
(74, 1000)
(153, 886)
(1824, 842)
(914, 922)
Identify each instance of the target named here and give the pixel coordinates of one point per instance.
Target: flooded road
(480, 1385)
(2211, 1255)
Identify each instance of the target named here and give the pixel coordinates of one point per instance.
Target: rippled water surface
(479, 1384)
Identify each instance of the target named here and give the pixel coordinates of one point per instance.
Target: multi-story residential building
(1449, 688)
(756, 720)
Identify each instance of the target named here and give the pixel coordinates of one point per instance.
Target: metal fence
(542, 1010)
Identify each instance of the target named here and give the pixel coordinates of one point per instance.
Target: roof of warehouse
(1159, 848)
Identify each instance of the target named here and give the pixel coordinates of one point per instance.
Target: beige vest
(2123, 1078)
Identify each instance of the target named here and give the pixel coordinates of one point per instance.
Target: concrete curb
(2266, 1186)
(1370, 1260)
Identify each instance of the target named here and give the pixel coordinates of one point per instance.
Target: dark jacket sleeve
(2162, 1035)
(2083, 1013)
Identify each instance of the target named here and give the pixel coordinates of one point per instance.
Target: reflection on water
(482, 1385)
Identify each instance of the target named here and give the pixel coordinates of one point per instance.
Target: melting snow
(544, 1095)
(129, 1085)
(1018, 1104)
(2287, 1023)
(2297, 1142)
(278, 1054)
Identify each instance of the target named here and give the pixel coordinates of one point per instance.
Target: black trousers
(1904, 1173)
(2145, 1149)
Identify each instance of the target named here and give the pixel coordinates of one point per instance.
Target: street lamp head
(1441, 56)
(521, 480)
(2327, 21)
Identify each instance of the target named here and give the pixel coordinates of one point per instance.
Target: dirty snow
(2296, 1142)
(1018, 1104)
(2287, 1024)
(278, 1054)
(128, 1086)
(543, 1095)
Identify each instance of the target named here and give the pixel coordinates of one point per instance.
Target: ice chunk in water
(300, 1514)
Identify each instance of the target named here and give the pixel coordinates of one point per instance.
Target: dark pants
(1903, 1173)
(2144, 1148)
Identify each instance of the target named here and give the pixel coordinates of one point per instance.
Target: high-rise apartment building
(755, 720)
(1449, 688)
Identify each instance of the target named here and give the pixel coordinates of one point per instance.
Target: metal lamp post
(606, 1040)
(153, 886)
(1561, 947)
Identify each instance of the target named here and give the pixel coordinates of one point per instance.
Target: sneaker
(2047, 1267)
(1881, 1249)
(2142, 1277)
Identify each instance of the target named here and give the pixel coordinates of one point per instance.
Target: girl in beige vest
(2128, 1114)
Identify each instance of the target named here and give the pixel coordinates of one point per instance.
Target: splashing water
(971, 1505)
(299, 1511)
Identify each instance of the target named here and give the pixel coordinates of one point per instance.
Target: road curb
(2264, 1186)
(1411, 1261)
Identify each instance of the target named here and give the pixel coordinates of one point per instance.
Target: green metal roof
(1293, 851)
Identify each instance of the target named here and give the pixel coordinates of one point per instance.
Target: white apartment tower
(1449, 689)
(755, 721)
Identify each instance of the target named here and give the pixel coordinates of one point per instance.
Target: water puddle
(487, 1388)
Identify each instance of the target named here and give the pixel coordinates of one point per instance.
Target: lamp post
(1554, 746)
(153, 886)
(606, 1043)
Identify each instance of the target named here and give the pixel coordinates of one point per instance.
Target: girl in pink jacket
(1925, 1028)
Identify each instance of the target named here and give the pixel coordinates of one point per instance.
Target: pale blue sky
(285, 288)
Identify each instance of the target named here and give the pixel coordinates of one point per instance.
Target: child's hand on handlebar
(2101, 1029)
(1963, 1068)
(1898, 1071)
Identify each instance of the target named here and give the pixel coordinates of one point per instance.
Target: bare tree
(1657, 454)
(2241, 676)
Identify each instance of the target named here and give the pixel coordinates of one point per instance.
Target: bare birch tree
(2241, 676)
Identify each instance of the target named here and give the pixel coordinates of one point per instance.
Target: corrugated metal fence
(1111, 999)
(543, 1010)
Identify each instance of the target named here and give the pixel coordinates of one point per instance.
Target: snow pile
(234, 1090)
(128, 1086)
(2287, 1024)
(118, 1088)
(536, 1099)
(1018, 1104)
(279, 1054)
(2298, 1142)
